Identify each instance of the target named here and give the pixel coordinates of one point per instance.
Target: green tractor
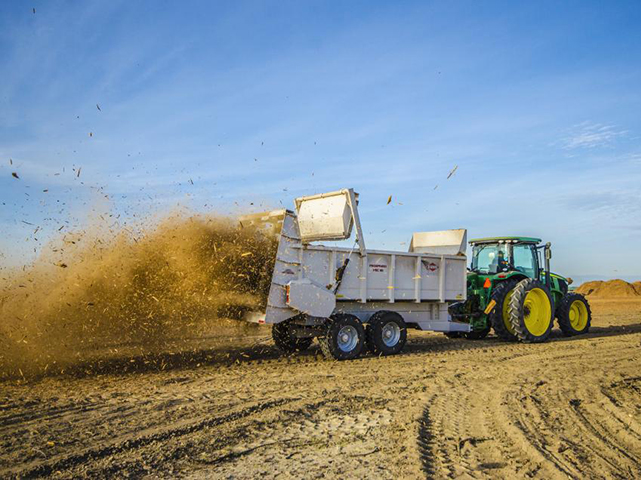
(510, 289)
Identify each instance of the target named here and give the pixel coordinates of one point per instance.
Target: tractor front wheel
(531, 311)
(574, 315)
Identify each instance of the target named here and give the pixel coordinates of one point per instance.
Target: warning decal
(430, 266)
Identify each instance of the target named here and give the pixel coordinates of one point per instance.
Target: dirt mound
(92, 291)
(610, 289)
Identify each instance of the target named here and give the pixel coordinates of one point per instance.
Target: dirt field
(445, 408)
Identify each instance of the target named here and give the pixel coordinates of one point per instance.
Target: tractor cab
(500, 255)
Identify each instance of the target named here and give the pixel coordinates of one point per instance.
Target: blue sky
(537, 103)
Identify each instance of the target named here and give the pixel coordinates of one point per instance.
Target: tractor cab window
(490, 258)
(525, 260)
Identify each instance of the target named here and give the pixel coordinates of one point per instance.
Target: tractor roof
(531, 240)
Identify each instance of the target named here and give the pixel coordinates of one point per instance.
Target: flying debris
(116, 287)
(15, 175)
(389, 200)
(98, 107)
(452, 172)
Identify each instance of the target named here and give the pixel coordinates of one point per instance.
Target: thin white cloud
(592, 135)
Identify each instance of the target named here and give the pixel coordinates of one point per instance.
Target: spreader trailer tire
(285, 339)
(344, 337)
(386, 333)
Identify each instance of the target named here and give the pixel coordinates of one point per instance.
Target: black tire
(478, 334)
(333, 346)
(382, 324)
(453, 335)
(500, 323)
(286, 341)
(573, 318)
(532, 317)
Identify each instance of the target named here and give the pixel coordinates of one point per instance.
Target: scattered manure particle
(92, 294)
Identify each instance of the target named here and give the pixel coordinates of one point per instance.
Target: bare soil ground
(444, 408)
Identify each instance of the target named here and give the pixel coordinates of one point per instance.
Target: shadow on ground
(264, 350)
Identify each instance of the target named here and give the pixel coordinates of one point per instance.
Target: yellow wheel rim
(537, 312)
(506, 312)
(578, 315)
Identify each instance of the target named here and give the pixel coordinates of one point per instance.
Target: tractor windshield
(489, 258)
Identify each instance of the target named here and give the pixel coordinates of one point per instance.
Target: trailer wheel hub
(347, 338)
(391, 334)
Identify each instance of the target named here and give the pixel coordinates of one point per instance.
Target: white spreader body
(312, 282)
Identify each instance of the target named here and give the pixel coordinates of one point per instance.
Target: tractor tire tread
(515, 310)
(496, 315)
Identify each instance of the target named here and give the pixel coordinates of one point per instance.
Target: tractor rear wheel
(344, 337)
(531, 311)
(574, 315)
(386, 333)
(499, 317)
(285, 339)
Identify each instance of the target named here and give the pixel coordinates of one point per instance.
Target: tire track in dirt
(515, 430)
(337, 427)
(426, 442)
(603, 443)
(621, 394)
(50, 413)
(445, 409)
(120, 445)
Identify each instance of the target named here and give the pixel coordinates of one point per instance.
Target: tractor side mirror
(548, 251)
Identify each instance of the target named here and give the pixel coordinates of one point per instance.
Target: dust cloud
(94, 292)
